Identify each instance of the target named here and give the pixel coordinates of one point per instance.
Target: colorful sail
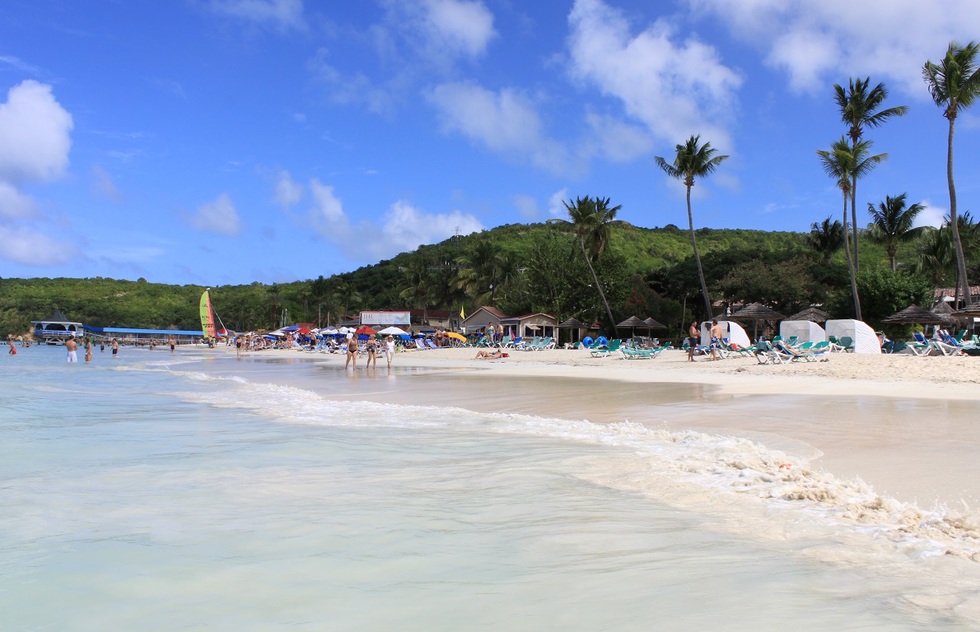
(207, 315)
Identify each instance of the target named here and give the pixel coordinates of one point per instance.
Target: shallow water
(160, 492)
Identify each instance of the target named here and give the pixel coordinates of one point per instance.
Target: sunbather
(483, 354)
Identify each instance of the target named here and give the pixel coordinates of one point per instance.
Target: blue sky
(228, 141)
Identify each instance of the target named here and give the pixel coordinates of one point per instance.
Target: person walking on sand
(88, 349)
(715, 344)
(692, 340)
(72, 347)
(351, 354)
(389, 349)
(372, 353)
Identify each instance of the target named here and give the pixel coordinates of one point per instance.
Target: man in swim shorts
(72, 348)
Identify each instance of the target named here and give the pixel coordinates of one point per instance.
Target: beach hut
(864, 337)
(755, 312)
(730, 330)
(804, 330)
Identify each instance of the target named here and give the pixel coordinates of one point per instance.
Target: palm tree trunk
(962, 281)
(854, 220)
(850, 268)
(595, 278)
(697, 257)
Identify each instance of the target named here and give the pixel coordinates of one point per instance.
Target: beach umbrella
(812, 314)
(755, 312)
(631, 323)
(572, 323)
(365, 330)
(455, 336)
(915, 315)
(393, 331)
(650, 323)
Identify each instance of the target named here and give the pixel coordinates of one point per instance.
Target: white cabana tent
(865, 340)
(730, 330)
(804, 330)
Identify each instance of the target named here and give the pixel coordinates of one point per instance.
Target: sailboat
(207, 315)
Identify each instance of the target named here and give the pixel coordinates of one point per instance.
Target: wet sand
(906, 425)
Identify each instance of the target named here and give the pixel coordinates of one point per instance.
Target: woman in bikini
(351, 353)
(372, 351)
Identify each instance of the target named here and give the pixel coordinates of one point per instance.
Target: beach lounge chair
(765, 354)
(612, 349)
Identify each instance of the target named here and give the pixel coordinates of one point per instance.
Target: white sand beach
(904, 424)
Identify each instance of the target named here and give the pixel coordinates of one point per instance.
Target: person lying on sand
(489, 355)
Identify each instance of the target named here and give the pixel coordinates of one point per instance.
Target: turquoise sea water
(195, 492)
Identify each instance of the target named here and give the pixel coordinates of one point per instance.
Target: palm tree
(319, 290)
(841, 163)
(693, 161)
(480, 272)
(592, 221)
(826, 238)
(892, 224)
(937, 261)
(858, 110)
(954, 84)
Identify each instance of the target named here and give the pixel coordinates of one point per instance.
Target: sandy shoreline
(904, 424)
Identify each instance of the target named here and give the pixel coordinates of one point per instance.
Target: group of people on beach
(371, 347)
(715, 335)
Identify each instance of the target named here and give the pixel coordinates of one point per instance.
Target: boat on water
(56, 329)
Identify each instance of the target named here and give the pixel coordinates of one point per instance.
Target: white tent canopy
(804, 330)
(865, 340)
(731, 330)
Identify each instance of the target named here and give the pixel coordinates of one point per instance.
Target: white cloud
(505, 121)
(35, 135)
(458, 26)
(931, 215)
(288, 191)
(674, 89)
(13, 203)
(280, 14)
(556, 203)
(889, 40)
(219, 217)
(401, 228)
(30, 247)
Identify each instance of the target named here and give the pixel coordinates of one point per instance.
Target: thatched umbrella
(653, 324)
(915, 315)
(812, 314)
(756, 312)
(631, 323)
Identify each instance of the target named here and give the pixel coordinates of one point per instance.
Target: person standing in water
(115, 348)
(88, 349)
(72, 347)
(351, 353)
(10, 343)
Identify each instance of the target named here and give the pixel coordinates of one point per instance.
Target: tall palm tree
(480, 272)
(859, 109)
(592, 221)
(937, 261)
(841, 163)
(954, 84)
(826, 238)
(892, 224)
(693, 161)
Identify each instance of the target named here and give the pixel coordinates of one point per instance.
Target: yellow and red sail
(207, 314)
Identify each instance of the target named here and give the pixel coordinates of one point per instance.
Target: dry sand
(905, 424)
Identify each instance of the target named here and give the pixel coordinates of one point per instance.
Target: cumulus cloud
(930, 215)
(401, 227)
(822, 41)
(506, 121)
(282, 15)
(457, 26)
(673, 88)
(288, 191)
(526, 205)
(28, 246)
(35, 135)
(219, 217)
(35, 139)
(556, 203)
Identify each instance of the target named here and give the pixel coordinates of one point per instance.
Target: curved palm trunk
(595, 278)
(963, 283)
(697, 257)
(854, 220)
(850, 267)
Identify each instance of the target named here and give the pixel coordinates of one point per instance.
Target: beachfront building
(481, 319)
(135, 336)
(56, 329)
(530, 325)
